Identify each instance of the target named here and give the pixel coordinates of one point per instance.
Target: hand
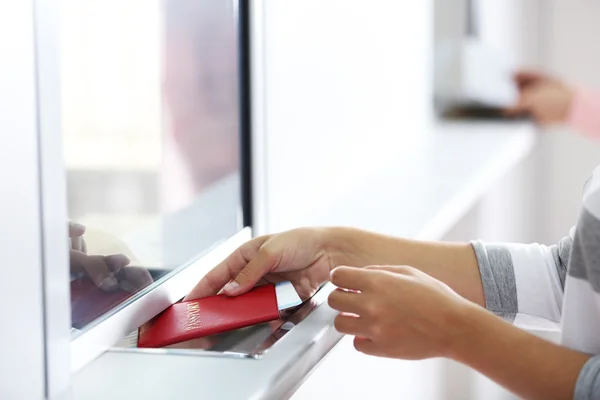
(546, 99)
(299, 256)
(397, 312)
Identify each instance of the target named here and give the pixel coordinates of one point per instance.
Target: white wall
(571, 50)
(560, 37)
(347, 83)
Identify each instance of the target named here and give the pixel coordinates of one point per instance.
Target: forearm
(454, 264)
(528, 366)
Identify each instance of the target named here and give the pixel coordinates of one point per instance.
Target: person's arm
(530, 366)
(526, 365)
(585, 112)
(452, 263)
(401, 312)
(505, 278)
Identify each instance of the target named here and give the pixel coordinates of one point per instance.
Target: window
(152, 122)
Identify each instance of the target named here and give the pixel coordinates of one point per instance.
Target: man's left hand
(398, 312)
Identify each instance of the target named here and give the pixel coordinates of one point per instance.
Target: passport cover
(209, 316)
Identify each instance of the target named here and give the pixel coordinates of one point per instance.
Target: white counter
(424, 188)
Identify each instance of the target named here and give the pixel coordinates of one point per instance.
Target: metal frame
(256, 100)
(22, 338)
(53, 199)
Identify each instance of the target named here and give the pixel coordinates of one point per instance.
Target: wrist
(527, 365)
(475, 327)
(344, 246)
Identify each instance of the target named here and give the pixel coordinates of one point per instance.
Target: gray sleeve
(588, 382)
(498, 279)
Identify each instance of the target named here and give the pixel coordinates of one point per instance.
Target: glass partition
(152, 120)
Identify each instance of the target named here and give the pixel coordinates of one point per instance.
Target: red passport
(209, 316)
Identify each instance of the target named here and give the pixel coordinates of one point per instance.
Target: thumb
(261, 264)
(76, 229)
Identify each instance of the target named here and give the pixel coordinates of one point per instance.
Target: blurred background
(345, 80)
(349, 80)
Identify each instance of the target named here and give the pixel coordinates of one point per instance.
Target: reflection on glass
(151, 121)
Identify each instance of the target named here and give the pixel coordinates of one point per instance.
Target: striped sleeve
(524, 280)
(581, 312)
(588, 383)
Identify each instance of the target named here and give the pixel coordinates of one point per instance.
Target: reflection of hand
(398, 312)
(102, 270)
(546, 99)
(106, 272)
(299, 256)
(132, 279)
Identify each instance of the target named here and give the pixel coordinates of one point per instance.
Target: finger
(95, 268)
(226, 271)
(100, 273)
(76, 229)
(347, 302)
(134, 279)
(116, 262)
(259, 266)
(367, 346)
(350, 325)
(350, 278)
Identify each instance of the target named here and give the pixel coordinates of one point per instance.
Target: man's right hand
(547, 99)
(300, 256)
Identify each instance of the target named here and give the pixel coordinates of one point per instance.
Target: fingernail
(231, 287)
